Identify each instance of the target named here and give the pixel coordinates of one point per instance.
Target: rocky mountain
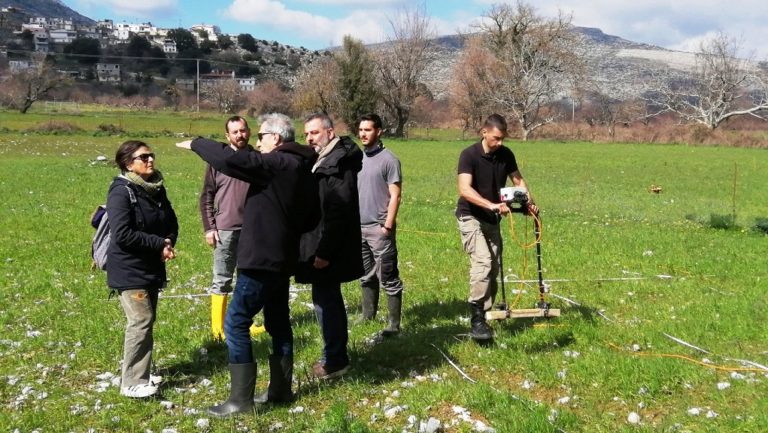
(45, 8)
(619, 66)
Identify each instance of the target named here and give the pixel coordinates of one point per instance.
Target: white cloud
(360, 3)
(681, 24)
(362, 24)
(138, 8)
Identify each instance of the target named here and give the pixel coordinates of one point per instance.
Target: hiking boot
(480, 330)
(324, 372)
(143, 390)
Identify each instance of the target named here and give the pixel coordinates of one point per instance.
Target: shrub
(55, 127)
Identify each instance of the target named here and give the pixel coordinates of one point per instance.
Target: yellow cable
(686, 358)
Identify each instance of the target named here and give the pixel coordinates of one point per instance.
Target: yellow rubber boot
(257, 329)
(218, 312)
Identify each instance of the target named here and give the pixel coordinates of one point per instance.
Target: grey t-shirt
(381, 168)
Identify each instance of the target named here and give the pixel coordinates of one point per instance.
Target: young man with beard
(221, 209)
(379, 184)
(483, 170)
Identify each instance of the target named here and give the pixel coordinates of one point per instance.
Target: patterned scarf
(151, 185)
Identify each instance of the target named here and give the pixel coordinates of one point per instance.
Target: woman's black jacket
(137, 236)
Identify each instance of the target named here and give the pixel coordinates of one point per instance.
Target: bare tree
(721, 86)
(317, 87)
(536, 61)
(25, 87)
(467, 84)
(225, 94)
(402, 63)
(269, 97)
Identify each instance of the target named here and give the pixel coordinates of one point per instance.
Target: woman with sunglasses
(143, 229)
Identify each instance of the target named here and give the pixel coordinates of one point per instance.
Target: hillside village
(263, 60)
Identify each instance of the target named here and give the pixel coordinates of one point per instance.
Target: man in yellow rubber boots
(221, 208)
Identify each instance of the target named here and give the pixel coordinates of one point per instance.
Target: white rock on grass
(563, 400)
(712, 414)
(480, 427)
(694, 411)
(723, 385)
(393, 411)
(633, 418)
(203, 423)
(737, 376)
(105, 376)
(432, 425)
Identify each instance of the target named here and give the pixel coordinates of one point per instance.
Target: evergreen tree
(357, 82)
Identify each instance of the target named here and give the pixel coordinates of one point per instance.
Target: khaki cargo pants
(482, 242)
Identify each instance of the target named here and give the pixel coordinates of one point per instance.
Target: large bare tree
(317, 87)
(467, 83)
(226, 94)
(25, 87)
(535, 62)
(721, 86)
(401, 64)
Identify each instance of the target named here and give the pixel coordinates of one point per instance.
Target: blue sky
(317, 24)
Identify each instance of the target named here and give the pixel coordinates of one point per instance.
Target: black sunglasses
(144, 157)
(262, 134)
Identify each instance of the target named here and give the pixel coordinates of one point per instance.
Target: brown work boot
(325, 372)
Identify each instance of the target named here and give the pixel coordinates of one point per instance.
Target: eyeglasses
(262, 134)
(144, 157)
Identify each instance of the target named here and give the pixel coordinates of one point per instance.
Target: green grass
(59, 330)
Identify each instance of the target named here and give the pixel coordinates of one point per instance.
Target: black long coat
(281, 204)
(138, 233)
(337, 237)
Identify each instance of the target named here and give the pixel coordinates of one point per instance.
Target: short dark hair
(371, 117)
(496, 121)
(232, 120)
(326, 119)
(124, 154)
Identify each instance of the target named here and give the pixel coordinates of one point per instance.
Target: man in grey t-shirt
(379, 184)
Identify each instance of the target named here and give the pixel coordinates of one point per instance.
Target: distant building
(108, 72)
(21, 65)
(247, 83)
(213, 32)
(62, 36)
(187, 84)
(169, 46)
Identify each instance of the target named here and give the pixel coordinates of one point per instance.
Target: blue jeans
(256, 290)
(332, 316)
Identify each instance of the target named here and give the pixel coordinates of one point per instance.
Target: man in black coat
(330, 254)
(281, 204)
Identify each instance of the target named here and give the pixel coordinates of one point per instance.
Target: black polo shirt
(489, 174)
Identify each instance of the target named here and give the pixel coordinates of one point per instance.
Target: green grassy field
(606, 239)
